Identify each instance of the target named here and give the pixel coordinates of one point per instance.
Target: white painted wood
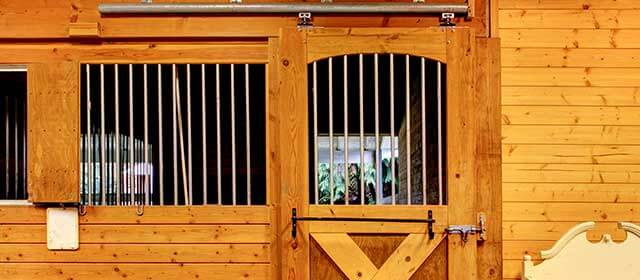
(575, 257)
(62, 229)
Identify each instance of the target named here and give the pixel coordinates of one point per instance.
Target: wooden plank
(154, 52)
(584, 154)
(515, 250)
(596, 77)
(409, 256)
(512, 269)
(552, 192)
(145, 234)
(369, 227)
(570, 4)
(549, 57)
(567, 134)
(558, 19)
(488, 159)
(552, 231)
(138, 253)
(379, 211)
(294, 149)
(571, 115)
(24, 271)
(327, 42)
(570, 173)
(574, 96)
(567, 212)
(84, 30)
(54, 122)
(346, 254)
(152, 215)
(571, 38)
(461, 148)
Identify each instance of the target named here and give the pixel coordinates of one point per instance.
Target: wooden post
(53, 117)
(461, 139)
(293, 150)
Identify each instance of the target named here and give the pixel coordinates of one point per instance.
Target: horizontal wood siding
(165, 243)
(570, 120)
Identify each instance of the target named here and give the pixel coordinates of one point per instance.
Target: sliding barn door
(376, 144)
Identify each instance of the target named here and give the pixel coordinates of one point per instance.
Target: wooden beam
(409, 256)
(346, 254)
(53, 116)
(273, 156)
(84, 30)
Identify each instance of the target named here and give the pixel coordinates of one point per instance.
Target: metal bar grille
(128, 138)
(13, 134)
(396, 155)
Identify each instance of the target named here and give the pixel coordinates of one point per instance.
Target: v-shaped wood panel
(402, 264)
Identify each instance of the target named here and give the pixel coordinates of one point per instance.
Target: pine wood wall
(570, 124)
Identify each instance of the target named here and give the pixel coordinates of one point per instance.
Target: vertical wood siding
(570, 120)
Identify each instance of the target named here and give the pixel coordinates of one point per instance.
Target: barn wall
(570, 120)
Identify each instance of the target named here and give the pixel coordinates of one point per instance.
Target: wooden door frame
(296, 48)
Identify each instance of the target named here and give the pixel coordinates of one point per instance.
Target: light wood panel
(138, 253)
(380, 211)
(556, 19)
(552, 231)
(28, 271)
(569, 4)
(570, 115)
(554, 192)
(346, 254)
(565, 57)
(571, 38)
(53, 118)
(152, 215)
(566, 212)
(578, 154)
(567, 134)
(570, 173)
(145, 234)
(426, 42)
(596, 77)
(574, 96)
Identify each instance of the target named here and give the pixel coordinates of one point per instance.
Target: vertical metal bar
(233, 133)
(362, 167)
(392, 142)
(423, 93)
(145, 168)
(6, 145)
(347, 182)
(175, 138)
(91, 180)
(15, 147)
(248, 136)
(24, 150)
(218, 149)
(408, 127)
(316, 187)
(331, 151)
(204, 135)
(189, 140)
(131, 138)
(440, 151)
(103, 176)
(117, 144)
(379, 191)
(160, 140)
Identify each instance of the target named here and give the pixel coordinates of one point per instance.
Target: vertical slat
(90, 181)
(423, 93)
(218, 149)
(347, 182)
(175, 136)
(145, 168)
(331, 150)
(160, 140)
(440, 151)
(408, 127)
(117, 136)
(103, 176)
(6, 146)
(15, 147)
(393, 150)
(204, 135)
(131, 138)
(248, 129)
(233, 134)
(189, 135)
(24, 150)
(316, 187)
(361, 103)
(379, 191)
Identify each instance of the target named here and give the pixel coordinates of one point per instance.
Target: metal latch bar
(465, 230)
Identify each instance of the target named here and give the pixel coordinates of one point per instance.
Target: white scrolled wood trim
(564, 240)
(630, 227)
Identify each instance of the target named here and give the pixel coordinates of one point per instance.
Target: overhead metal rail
(282, 8)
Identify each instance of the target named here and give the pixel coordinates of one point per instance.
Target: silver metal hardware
(235, 1)
(465, 230)
(447, 19)
(304, 19)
